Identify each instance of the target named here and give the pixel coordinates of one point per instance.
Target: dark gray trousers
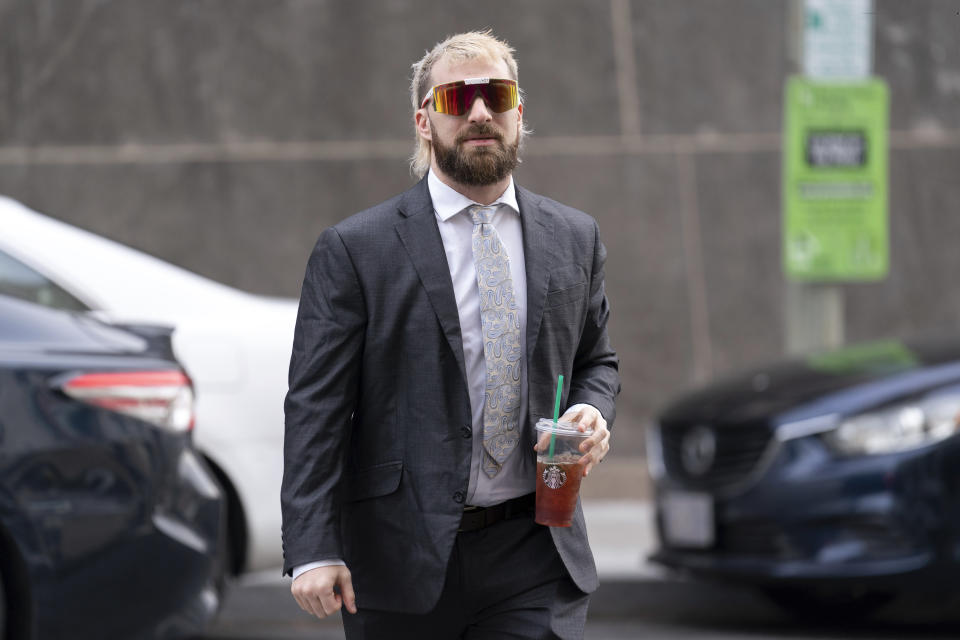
(504, 581)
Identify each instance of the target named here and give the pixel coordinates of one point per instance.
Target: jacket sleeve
(323, 390)
(596, 377)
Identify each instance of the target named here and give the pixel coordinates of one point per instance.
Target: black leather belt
(479, 517)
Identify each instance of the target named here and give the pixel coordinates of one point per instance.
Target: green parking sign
(835, 180)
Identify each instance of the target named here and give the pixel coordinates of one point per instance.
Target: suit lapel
(539, 258)
(421, 238)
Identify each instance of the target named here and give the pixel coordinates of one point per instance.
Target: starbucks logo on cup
(554, 477)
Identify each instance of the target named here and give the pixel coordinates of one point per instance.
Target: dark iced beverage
(558, 484)
(559, 471)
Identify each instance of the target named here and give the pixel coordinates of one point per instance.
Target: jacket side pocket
(379, 480)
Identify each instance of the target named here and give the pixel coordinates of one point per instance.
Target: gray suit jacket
(378, 420)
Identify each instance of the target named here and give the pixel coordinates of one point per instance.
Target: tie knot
(481, 214)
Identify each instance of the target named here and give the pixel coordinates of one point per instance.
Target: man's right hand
(314, 591)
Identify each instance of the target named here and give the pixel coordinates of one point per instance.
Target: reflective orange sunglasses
(455, 98)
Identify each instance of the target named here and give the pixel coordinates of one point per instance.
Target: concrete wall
(223, 135)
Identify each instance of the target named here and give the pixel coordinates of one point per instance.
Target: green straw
(556, 414)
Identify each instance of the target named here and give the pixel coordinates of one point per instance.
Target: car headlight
(899, 427)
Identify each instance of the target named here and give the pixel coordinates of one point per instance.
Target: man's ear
(519, 117)
(422, 122)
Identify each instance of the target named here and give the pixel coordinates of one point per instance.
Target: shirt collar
(448, 202)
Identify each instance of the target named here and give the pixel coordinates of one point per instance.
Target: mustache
(480, 130)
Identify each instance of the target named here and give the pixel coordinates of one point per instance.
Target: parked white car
(234, 345)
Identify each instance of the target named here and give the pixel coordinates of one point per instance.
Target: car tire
(828, 606)
(3, 609)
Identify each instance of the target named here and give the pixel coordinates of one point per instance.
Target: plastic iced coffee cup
(559, 474)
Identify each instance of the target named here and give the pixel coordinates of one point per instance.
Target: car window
(20, 281)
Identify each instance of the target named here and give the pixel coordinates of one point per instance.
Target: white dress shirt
(517, 476)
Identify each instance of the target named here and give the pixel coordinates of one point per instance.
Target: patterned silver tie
(500, 320)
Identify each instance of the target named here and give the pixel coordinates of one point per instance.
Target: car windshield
(20, 281)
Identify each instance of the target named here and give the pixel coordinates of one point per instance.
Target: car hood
(817, 382)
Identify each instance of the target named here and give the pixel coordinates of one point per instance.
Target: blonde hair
(459, 48)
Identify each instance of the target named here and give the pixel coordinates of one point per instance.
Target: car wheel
(831, 605)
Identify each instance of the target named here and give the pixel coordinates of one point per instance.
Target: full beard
(476, 166)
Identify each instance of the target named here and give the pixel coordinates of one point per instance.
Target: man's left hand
(596, 447)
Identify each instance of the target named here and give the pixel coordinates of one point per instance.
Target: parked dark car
(832, 482)
(110, 525)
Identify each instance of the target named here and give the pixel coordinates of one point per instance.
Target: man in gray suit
(431, 332)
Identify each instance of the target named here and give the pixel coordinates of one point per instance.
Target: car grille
(738, 451)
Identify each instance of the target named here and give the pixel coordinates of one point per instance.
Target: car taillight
(163, 398)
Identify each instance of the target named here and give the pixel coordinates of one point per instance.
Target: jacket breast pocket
(379, 480)
(567, 284)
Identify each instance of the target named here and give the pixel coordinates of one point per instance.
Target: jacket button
(458, 497)
(466, 431)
